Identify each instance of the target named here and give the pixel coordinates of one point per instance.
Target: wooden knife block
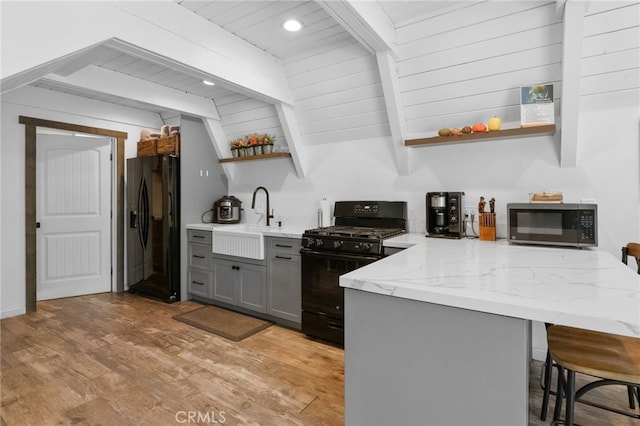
(487, 223)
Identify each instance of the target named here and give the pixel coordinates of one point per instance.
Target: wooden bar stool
(633, 250)
(612, 358)
(546, 381)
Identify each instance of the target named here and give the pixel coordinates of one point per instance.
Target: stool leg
(546, 383)
(632, 398)
(559, 393)
(571, 395)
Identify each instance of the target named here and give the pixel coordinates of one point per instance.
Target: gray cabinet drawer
(199, 283)
(285, 245)
(199, 256)
(199, 236)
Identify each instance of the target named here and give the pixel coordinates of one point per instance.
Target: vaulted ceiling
(257, 22)
(106, 70)
(379, 59)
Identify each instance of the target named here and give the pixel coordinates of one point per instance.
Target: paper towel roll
(325, 206)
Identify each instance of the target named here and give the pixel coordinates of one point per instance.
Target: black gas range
(356, 240)
(349, 239)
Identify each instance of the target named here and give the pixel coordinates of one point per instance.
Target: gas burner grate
(356, 232)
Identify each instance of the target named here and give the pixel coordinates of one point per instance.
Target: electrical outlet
(471, 211)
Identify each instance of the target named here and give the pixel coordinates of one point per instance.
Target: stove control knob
(366, 246)
(453, 219)
(309, 242)
(319, 242)
(337, 244)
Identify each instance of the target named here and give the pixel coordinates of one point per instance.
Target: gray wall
(202, 182)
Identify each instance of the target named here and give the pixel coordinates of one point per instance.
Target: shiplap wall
(241, 115)
(337, 93)
(610, 48)
(457, 67)
(466, 65)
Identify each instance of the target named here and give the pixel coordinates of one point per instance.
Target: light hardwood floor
(120, 359)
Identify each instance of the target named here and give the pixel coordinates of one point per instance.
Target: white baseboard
(539, 354)
(13, 312)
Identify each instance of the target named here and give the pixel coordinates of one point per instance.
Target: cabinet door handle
(282, 245)
(198, 256)
(237, 268)
(283, 257)
(198, 236)
(197, 282)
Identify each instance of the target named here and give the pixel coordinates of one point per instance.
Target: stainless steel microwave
(573, 225)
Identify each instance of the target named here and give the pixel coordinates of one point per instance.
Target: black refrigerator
(153, 232)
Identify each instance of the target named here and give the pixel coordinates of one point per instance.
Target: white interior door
(73, 176)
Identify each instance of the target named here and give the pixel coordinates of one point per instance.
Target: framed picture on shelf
(536, 105)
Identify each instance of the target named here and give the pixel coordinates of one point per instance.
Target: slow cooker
(227, 210)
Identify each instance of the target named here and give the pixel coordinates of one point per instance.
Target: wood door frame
(30, 138)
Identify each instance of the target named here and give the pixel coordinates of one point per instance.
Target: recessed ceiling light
(208, 83)
(292, 25)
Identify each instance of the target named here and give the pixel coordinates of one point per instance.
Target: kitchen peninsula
(440, 333)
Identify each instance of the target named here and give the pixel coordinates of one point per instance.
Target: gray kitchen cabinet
(271, 288)
(238, 282)
(199, 255)
(224, 281)
(252, 285)
(284, 267)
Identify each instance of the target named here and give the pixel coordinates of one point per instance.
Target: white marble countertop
(270, 231)
(587, 288)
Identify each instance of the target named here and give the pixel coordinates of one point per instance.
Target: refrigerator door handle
(143, 207)
(133, 219)
(171, 218)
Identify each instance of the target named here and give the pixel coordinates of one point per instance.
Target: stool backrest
(631, 249)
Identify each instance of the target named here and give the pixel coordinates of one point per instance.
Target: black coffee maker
(445, 214)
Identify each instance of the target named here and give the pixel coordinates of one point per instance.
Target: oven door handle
(336, 256)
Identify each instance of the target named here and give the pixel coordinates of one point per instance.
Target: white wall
(202, 181)
(47, 105)
(337, 93)
(465, 66)
(237, 110)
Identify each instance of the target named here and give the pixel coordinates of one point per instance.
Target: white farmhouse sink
(239, 240)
